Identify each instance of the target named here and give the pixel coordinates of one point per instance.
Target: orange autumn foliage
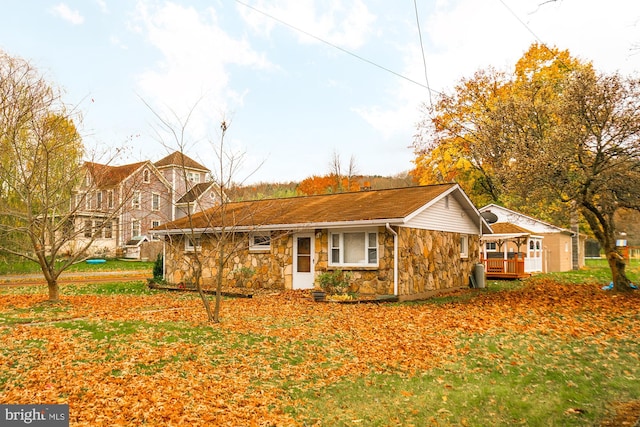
(153, 360)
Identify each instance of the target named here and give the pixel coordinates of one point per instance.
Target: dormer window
(193, 177)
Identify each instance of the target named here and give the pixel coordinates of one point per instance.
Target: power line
(535, 36)
(424, 59)
(293, 27)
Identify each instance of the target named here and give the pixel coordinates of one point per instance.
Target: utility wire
(424, 59)
(535, 36)
(248, 6)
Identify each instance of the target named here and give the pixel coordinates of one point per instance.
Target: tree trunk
(219, 279)
(617, 265)
(205, 301)
(54, 294)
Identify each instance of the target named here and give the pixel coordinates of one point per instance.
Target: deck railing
(500, 267)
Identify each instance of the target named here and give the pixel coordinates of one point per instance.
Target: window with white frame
(155, 202)
(80, 200)
(87, 201)
(260, 241)
(191, 243)
(108, 230)
(491, 246)
(353, 248)
(464, 246)
(110, 199)
(145, 176)
(193, 177)
(99, 200)
(135, 228)
(88, 228)
(135, 200)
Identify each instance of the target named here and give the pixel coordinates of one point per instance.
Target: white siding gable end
(446, 214)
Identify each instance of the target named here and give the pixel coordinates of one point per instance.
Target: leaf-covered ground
(545, 354)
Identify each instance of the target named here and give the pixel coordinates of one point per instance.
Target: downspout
(395, 259)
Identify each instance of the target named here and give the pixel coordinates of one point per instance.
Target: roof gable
(195, 192)
(178, 159)
(109, 176)
(375, 206)
(522, 220)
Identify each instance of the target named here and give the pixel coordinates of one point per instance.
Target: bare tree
(210, 235)
(341, 178)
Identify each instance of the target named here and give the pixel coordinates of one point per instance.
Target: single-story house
(410, 242)
(544, 246)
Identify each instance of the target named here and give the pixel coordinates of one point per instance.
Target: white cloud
(195, 56)
(345, 25)
(63, 11)
(463, 36)
(102, 4)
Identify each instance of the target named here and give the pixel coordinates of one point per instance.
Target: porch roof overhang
(282, 227)
(507, 236)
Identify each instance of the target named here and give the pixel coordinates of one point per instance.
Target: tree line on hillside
(318, 184)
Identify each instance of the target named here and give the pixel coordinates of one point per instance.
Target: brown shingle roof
(179, 159)
(195, 192)
(330, 208)
(108, 176)
(508, 228)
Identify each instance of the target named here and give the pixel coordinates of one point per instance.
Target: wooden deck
(498, 268)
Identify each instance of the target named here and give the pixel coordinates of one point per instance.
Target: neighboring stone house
(411, 242)
(118, 205)
(546, 247)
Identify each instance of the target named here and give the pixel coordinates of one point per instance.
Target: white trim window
(88, 228)
(193, 177)
(155, 202)
(491, 246)
(146, 176)
(135, 200)
(135, 228)
(353, 248)
(191, 243)
(464, 246)
(110, 199)
(108, 230)
(80, 200)
(260, 242)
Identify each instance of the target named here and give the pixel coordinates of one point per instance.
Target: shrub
(334, 282)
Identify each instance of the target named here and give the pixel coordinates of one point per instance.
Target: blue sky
(291, 100)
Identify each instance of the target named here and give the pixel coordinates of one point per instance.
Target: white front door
(303, 261)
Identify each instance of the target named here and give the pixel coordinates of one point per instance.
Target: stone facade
(253, 269)
(429, 261)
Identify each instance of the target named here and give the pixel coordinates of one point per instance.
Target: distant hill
(271, 190)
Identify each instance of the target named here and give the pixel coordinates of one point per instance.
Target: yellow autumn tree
(40, 166)
(552, 137)
(465, 138)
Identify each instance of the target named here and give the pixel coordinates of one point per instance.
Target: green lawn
(20, 266)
